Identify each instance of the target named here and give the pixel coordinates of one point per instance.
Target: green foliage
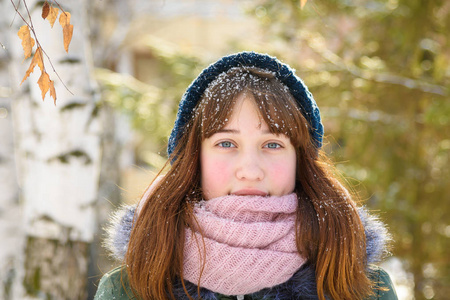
(142, 102)
(380, 74)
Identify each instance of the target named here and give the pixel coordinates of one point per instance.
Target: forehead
(249, 109)
(245, 113)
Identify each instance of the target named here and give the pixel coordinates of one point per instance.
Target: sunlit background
(378, 69)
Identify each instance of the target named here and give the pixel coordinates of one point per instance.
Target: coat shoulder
(114, 285)
(383, 287)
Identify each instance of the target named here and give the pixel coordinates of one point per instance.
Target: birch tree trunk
(59, 157)
(116, 153)
(11, 233)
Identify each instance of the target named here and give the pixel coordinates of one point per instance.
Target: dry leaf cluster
(49, 13)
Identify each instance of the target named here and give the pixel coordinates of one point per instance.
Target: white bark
(59, 146)
(11, 231)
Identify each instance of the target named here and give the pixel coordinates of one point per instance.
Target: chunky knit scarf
(248, 244)
(300, 286)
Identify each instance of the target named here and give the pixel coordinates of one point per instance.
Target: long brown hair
(329, 232)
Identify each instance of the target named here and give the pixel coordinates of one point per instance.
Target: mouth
(250, 192)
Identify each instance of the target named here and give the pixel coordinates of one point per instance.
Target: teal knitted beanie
(282, 71)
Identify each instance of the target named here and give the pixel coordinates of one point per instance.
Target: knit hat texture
(282, 71)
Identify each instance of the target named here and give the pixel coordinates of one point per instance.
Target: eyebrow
(227, 131)
(235, 131)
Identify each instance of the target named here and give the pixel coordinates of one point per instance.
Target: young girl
(249, 208)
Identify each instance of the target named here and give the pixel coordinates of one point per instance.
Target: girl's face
(245, 158)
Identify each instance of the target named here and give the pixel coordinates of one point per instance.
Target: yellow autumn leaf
(37, 60)
(27, 40)
(67, 33)
(52, 15)
(52, 91)
(44, 83)
(64, 20)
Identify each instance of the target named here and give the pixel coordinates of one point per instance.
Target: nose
(250, 168)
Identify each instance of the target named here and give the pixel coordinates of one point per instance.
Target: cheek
(283, 175)
(215, 174)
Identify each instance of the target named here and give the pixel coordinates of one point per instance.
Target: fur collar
(302, 284)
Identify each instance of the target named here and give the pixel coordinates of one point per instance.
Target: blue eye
(226, 144)
(273, 145)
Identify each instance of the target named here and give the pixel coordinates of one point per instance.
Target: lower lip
(250, 193)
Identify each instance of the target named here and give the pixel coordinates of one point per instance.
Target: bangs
(276, 106)
(282, 115)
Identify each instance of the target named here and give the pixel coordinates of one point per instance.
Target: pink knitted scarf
(249, 244)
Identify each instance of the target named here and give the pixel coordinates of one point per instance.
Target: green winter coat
(115, 285)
